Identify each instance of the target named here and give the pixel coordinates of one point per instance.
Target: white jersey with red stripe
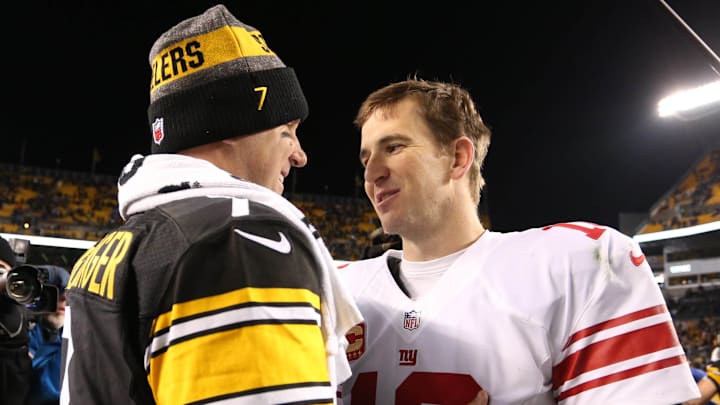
(569, 314)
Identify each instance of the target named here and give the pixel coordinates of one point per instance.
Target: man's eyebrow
(384, 140)
(362, 154)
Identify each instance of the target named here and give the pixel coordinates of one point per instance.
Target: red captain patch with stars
(356, 342)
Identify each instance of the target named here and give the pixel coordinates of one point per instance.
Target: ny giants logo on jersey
(411, 320)
(356, 342)
(408, 357)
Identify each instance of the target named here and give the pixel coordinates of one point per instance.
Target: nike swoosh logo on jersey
(637, 260)
(281, 246)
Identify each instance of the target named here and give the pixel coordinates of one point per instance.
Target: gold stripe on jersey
(247, 314)
(242, 362)
(268, 327)
(233, 298)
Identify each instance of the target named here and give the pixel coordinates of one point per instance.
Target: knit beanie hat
(214, 78)
(6, 253)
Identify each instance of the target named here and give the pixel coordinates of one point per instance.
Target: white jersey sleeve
(567, 314)
(617, 336)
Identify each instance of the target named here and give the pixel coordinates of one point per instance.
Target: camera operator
(46, 343)
(15, 363)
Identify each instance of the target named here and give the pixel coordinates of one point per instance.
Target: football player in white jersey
(567, 313)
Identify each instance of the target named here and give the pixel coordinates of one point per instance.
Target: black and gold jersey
(199, 301)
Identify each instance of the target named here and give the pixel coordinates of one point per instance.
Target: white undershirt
(419, 277)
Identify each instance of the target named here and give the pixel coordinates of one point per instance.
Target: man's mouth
(384, 195)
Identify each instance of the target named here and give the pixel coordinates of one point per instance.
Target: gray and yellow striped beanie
(214, 78)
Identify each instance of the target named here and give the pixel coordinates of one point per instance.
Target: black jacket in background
(15, 363)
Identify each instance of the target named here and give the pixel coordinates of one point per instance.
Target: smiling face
(265, 158)
(407, 175)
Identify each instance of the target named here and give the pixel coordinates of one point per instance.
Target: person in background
(715, 353)
(713, 370)
(380, 242)
(46, 344)
(708, 381)
(215, 288)
(565, 313)
(15, 364)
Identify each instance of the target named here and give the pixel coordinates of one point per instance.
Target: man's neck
(448, 240)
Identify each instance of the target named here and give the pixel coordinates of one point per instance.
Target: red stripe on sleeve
(623, 375)
(633, 316)
(614, 350)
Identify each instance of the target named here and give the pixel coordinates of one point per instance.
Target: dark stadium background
(569, 89)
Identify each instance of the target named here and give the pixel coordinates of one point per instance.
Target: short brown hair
(448, 110)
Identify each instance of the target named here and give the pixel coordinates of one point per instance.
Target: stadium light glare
(689, 99)
(77, 243)
(678, 233)
(51, 241)
(681, 268)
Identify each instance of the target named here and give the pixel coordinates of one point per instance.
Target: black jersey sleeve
(210, 304)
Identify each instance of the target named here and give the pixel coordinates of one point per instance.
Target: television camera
(28, 285)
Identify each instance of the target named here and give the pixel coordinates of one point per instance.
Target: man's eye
(394, 147)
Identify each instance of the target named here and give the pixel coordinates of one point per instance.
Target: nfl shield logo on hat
(158, 132)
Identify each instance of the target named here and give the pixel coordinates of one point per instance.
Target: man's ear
(463, 156)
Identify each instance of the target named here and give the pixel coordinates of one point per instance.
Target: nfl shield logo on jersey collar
(411, 320)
